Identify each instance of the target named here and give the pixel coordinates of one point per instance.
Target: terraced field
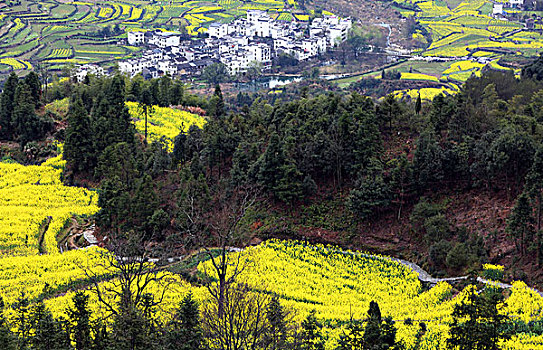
(59, 32)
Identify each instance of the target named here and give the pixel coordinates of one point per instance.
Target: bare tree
(242, 323)
(217, 222)
(127, 263)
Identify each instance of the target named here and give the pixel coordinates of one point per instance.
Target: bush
(458, 257)
(437, 228)
(438, 253)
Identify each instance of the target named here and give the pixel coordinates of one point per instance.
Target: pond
(266, 82)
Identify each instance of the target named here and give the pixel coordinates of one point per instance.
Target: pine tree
(22, 321)
(520, 223)
(276, 335)
(7, 101)
(7, 338)
(132, 330)
(49, 333)
(184, 332)
(78, 145)
(311, 336)
(79, 316)
(110, 118)
(219, 107)
(378, 334)
(165, 86)
(353, 338)
(418, 105)
(27, 126)
(534, 188)
(477, 323)
(33, 82)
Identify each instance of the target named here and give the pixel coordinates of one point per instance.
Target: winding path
(426, 277)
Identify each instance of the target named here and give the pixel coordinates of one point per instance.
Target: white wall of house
(135, 38)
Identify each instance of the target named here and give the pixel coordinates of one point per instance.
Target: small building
(136, 38)
(497, 9)
(165, 39)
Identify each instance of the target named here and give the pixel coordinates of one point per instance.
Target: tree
(216, 103)
(7, 338)
(216, 221)
(145, 107)
(427, 163)
(477, 323)
(184, 332)
(534, 188)
(7, 102)
(111, 120)
(418, 105)
(276, 334)
(520, 223)
(311, 337)
(379, 334)
(79, 318)
(27, 125)
(33, 82)
(353, 338)
(49, 333)
(78, 144)
(215, 73)
(133, 328)
(388, 110)
(22, 321)
(371, 192)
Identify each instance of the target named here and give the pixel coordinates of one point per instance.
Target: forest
(324, 167)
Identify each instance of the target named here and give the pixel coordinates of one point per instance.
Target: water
(266, 82)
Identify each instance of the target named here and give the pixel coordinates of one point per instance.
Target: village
(251, 41)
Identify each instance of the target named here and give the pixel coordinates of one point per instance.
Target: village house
(250, 41)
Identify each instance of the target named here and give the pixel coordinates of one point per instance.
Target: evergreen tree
(132, 330)
(176, 93)
(111, 120)
(219, 107)
(27, 126)
(78, 144)
(184, 332)
(353, 338)
(32, 80)
(520, 223)
(418, 105)
(378, 334)
(534, 188)
(477, 323)
(427, 163)
(49, 333)
(165, 86)
(22, 321)
(79, 317)
(7, 102)
(275, 337)
(7, 338)
(311, 337)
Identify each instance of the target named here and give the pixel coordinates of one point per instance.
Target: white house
(165, 39)
(217, 30)
(85, 69)
(497, 9)
(516, 3)
(136, 38)
(254, 15)
(260, 52)
(263, 26)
